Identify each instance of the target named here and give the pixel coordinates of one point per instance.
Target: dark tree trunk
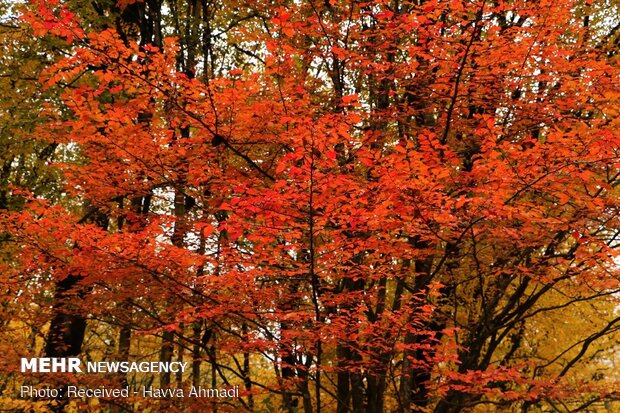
(68, 326)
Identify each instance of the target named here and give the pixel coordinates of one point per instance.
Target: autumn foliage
(338, 206)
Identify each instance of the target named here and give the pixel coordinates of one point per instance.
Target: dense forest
(327, 205)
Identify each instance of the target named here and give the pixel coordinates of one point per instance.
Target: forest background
(339, 206)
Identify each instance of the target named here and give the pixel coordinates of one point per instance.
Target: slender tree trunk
(247, 380)
(179, 373)
(350, 387)
(196, 353)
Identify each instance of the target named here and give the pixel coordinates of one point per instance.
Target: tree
(368, 207)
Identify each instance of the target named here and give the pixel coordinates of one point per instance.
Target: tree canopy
(338, 206)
